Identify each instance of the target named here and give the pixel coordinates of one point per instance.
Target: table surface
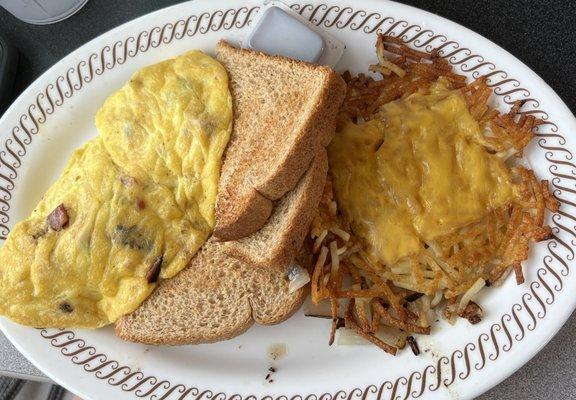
(534, 31)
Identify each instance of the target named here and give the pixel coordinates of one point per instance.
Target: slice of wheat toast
(216, 297)
(219, 296)
(284, 109)
(278, 241)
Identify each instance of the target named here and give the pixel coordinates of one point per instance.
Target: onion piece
(334, 260)
(470, 293)
(437, 298)
(340, 232)
(348, 337)
(319, 240)
(322, 309)
(332, 207)
(498, 282)
(297, 276)
(434, 248)
(341, 250)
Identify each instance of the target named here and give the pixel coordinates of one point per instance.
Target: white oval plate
(56, 115)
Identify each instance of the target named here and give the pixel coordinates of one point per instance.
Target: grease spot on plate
(276, 351)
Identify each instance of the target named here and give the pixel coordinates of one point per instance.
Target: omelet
(416, 172)
(131, 207)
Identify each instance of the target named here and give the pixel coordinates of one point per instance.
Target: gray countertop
(540, 41)
(14, 364)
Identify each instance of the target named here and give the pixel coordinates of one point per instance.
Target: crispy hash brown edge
(463, 263)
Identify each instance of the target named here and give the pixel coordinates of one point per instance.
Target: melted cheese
(416, 172)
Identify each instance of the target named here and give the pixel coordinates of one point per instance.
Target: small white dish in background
(278, 30)
(277, 33)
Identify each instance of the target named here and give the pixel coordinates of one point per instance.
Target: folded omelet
(131, 207)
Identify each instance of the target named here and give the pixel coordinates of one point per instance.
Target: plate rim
(363, 23)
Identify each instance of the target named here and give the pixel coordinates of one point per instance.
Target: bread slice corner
(284, 110)
(215, 298)
(279, 240)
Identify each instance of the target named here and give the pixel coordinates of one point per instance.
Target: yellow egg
(139, 199)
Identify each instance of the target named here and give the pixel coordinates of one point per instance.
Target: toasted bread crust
(277, 128)
(279, 240)
(252, 213)
(126, 329)
(215, 298)
(319, 128)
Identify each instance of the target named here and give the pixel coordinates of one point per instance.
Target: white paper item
(274, 34)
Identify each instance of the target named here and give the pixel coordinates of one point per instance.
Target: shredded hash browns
(451, 270)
